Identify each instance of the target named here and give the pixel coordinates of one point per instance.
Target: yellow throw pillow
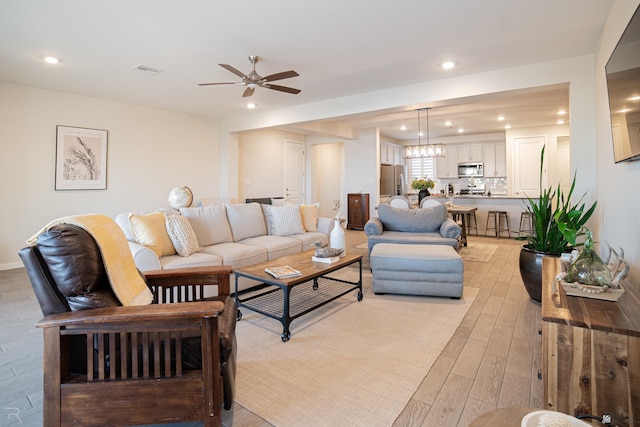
(150, 230)
(309, 214)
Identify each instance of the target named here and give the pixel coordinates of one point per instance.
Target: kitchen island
(514, 206)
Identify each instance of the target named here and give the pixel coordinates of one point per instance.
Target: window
(421, 168)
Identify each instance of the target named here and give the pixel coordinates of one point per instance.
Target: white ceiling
(338, 47)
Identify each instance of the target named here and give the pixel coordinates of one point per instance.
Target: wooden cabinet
(590, 352)
(357, 210)
(469, 153)
(494, 155)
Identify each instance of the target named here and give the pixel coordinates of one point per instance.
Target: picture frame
(81, 158)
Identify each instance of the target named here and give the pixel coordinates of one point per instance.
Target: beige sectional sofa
(233, 234)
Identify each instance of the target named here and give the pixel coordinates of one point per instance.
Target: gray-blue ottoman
(433, 270)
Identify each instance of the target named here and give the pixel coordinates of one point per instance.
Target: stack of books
(283, 272)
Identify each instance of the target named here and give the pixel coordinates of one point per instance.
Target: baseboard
(11, 266)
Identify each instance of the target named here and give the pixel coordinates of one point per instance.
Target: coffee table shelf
(288, 299)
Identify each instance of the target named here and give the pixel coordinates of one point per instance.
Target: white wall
(150, 151)
(327, 177)
(261, 163)
(618, 185)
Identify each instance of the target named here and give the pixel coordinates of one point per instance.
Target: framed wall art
(81, 158)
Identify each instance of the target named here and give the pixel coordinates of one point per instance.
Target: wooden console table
(590, 352)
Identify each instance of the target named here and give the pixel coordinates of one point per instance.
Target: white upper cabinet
(447, 167)
(469, 153)
(390, 154)
(494, 156)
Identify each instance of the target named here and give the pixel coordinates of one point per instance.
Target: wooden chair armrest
(202, 276)
(146, 315)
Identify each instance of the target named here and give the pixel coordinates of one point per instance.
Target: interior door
(526, 167)
(294, 172)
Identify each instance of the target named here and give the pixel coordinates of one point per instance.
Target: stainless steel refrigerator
(391, 180)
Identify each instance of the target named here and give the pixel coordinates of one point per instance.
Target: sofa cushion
(284, 220)
(209, 223)
(413, 220)
(182, 235)
(150, 230)
(309, 215)
(237, 255)
(246, 220)
(276, 246)
(310, 240)
(199, 259)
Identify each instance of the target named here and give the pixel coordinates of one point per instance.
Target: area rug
(477, 252)
(349, 363)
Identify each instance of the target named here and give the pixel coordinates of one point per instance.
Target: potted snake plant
(557, 224)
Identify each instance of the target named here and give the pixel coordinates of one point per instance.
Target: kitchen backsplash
(497, 186)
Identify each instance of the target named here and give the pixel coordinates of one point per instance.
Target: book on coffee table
(282, 272)
(328, 260)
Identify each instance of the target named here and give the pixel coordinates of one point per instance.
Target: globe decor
(180, 197)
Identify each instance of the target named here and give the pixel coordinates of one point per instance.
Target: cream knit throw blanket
(123, 275)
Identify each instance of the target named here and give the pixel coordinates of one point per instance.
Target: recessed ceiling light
(501, 118)
(562, 112)
(624, 110)
(461, 130)
(251, 105)
(634, 98)
(420, 133)
(50, 59)
(560, 122)
(448, 123)
(447, 65)
(507, 126)
(403, 127)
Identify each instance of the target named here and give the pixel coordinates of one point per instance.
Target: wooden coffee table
(288, 299)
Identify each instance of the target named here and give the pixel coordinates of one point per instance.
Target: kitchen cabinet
(390, 154)
(494, 155)
(469, 153)
(447, 167)
(590, 347)
(357, 210)
(526, 166)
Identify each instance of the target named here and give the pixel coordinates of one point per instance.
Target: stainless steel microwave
(467, 170)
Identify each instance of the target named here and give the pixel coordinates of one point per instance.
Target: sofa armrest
(325, 225)
(373, 227)
(450, 229)
(144, 257)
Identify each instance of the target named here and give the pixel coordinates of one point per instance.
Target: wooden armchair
(115, 365)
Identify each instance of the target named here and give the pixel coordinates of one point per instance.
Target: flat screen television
(623, 86)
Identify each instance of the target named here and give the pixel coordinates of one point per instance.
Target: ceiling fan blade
(280, 76)
(248, 92)
(233, 70)
(210, 84)
(283, 89)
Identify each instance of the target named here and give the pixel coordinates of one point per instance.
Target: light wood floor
(492, 360)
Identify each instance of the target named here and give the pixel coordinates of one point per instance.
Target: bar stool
(526, 224)
(498, 217)
(472, 224)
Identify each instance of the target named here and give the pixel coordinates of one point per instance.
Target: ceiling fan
(254, 80)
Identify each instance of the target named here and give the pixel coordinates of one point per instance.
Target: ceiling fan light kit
(253, 80)
(428, 150)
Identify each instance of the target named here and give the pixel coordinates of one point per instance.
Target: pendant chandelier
(428, 150)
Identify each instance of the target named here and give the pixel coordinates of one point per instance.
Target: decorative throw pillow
(284, 220)
(149, 230)
(309, 214)
(182, 235)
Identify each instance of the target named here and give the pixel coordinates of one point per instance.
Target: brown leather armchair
(105, 364)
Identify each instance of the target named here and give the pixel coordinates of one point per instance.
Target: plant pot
(422, 194)
(531, 271)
